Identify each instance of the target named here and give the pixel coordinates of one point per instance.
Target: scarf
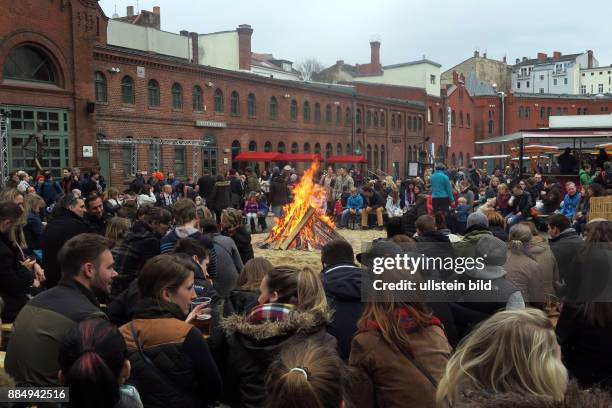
(270, 312)
(408, 320)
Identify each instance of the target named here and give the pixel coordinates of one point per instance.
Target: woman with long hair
(233, 227)
(33, 229)
(511, 352)
(94, 365)
(116, 228)
(292, 308)
(521, 267)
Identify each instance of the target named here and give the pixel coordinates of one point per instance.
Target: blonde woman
(521, 267)
(244, 297)
(511, 352)
(116, 228)
(34, 226)
(16, 234)
(292, 309)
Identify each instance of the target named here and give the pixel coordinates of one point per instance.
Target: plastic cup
(203, 300)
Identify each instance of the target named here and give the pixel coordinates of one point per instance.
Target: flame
(306, 194)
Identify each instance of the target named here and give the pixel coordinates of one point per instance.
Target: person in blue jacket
(441, 190)
(571, 200)
(354, 205)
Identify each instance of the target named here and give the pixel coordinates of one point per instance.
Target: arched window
(349, 149)
(375, 119)
(420, 123)
(440, 116)
(415, 153)
(235, 151)
(358, 117)
(339, 149)
(281, 147)
(347, 117)
(338, 116)
(382, 158)
(306, 113)
(358, 149)
(329, 150)
(274, 108)
(294, 148)
(468, 120)
(527, 112)
(235, 103)
(410, 153)
(454, 159)
(127, 90)
(306, 147)
(369, 155)
(429, 115)
(491, 126)
(382, 119)
(317, 148)
(252, 146)
(461, 119)
(177, 96)
(328, 114)
(409, 124)
(101, 94)
(376, 164)
(520, 112)
(368, 118)
(453, 118)
(392, 121)
(543, 112)
(197, 99)
(268, 147)
(294, 110)
(251, 105)
(460, 159)
(153, 93)
(317, 114)
(399, 121)
(27, 63)
(219, 101)
(440, 156)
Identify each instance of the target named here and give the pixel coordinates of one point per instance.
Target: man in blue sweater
(354, 205)
(441, 190)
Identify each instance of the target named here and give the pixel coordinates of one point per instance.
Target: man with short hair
(521, 204)
(432, 242)
(68, 182)
(342, 283)
(342, 183)
(373, 203)
(187, 226)
(570, 201)
(565, 244)
(96, 217)
(166, 198)
(477, 226)
(87, 274)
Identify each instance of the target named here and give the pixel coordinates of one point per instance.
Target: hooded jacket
(220, 196)
(342, 284)
(253, 347)
(540, 250)
(467, 246)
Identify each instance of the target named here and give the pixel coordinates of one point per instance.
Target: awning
(346, 159)
(554, 136)
(299, 157)
(258, 157)
(491, 156)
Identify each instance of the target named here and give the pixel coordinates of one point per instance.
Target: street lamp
(502, 96)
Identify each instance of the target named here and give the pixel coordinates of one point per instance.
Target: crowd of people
(152, 296)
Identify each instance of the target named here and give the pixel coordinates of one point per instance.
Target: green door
(104, 161)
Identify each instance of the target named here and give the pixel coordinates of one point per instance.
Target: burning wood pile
(304, 225)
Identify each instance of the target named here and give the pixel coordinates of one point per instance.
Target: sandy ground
(356, 238)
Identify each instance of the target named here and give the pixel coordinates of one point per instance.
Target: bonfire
(304, 225)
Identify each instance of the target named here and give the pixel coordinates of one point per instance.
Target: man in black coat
(95, 216)
(68, 224)
(279, 193)
(373, 203)
(565, 244)
(433, 244)
(342, 283)
(206, 184)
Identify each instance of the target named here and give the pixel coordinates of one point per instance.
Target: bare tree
(308, 67)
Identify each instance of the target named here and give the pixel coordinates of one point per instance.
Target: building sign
(140, 72)
(210, 124)
(87, 151)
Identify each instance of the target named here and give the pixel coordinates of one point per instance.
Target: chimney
(157, 10)
(340, 63)
(518, 60)
(484, 55)
(195, 57)
(375, 57)
(184, 33)
(244, 46)
(476, 54)
(590, 58)
(524, 59)
(542, 56)
(504, 60)
(130, 11)
(556, 55)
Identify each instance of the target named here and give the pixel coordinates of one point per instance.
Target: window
(453, 119)
(543, 112)
(127, 90)
(155, 157)
(317, 148)
(469, 120)
(432, 79)
(376, 166)
(527, 84)
(358, 117)
(409, 125)
(328, 114)
(153, 93)
(317, 113)
(219, 101)
(559, 111)
(440, 116)
(268, 147)
(579, 111)
(564, 81)
(382, 156)
(421, 122)
(542, 78)
(369, 155)
(306, 147)
(548, 112)
(235, 103)
(527, 112)
(339, 149)
(251, 105)
(565, 111)
(461, 119)
(100, 87)
(281, 147)
(274, 108)
(584, 111)
(252, 146)
(375, 119)
(583, 89)
(399, 121)
(518, 85)
(338, 116)
(521, 112)
(555, 81)
(126, 159)
(294, 110)
(294, 148)
(491, 126)
(393, 121)
(368, 118)
(177, 96)
(600, 88)
(429, 115)
(179, 160)
(197, 99)
(347, 117)
(27, 63)
(306, 112)
(382, 119)
(329, 150)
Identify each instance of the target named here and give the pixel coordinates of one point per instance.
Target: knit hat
(287, 168)
(477, 218)
(493, 250)
(275, 170)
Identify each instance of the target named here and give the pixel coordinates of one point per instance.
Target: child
(251, 208)
(262, 211)
(393, 205)
(354, 205)
(462, 210)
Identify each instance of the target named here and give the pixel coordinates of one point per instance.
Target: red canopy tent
(258, 157)
(299, 157)
(346, 159)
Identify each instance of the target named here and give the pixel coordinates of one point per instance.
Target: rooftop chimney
(590, 58)
(375, 56)
(195, 53)
(184, 33)
(130, 11)
(484, 55)
(504, 60)
(244, 46)
(556, 55)
(518, 60)
(524, 59)
(156, 10)
(476, 54)
(340, 63)
(542, 56)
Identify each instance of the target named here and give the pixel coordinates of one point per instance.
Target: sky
(444, 31)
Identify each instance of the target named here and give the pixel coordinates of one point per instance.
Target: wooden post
(292, 234)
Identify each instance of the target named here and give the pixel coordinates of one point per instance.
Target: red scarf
(408, 320)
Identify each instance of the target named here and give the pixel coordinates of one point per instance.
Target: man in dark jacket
(220, 197)
(50, 189)
(87, 273)
(432, 243)
(206, 184)
(565, 244)
(16, 276)
(68, 182)
(68, 224)
(279, 193)
(95, 216)
(140, 244)
(551, 196)
(236, 188)
(342, 283)
(138, 183)
(521, 206)
(567, 162)
(373, 203)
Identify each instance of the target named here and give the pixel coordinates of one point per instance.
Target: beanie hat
(287, 168)
(493, 250)
(477, 218)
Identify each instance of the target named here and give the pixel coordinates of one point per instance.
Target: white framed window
(432, 79)
(555, 81)
(541, 90)
(600, 88)
(518, 85)
(583, 89)
(527, 85)
(541, 77)
(564, 81)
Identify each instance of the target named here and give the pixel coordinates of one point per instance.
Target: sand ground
(356, 238)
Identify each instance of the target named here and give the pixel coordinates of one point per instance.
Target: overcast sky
(444, 31)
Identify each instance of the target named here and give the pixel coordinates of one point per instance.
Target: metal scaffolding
(4, 146)
(196, 144)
